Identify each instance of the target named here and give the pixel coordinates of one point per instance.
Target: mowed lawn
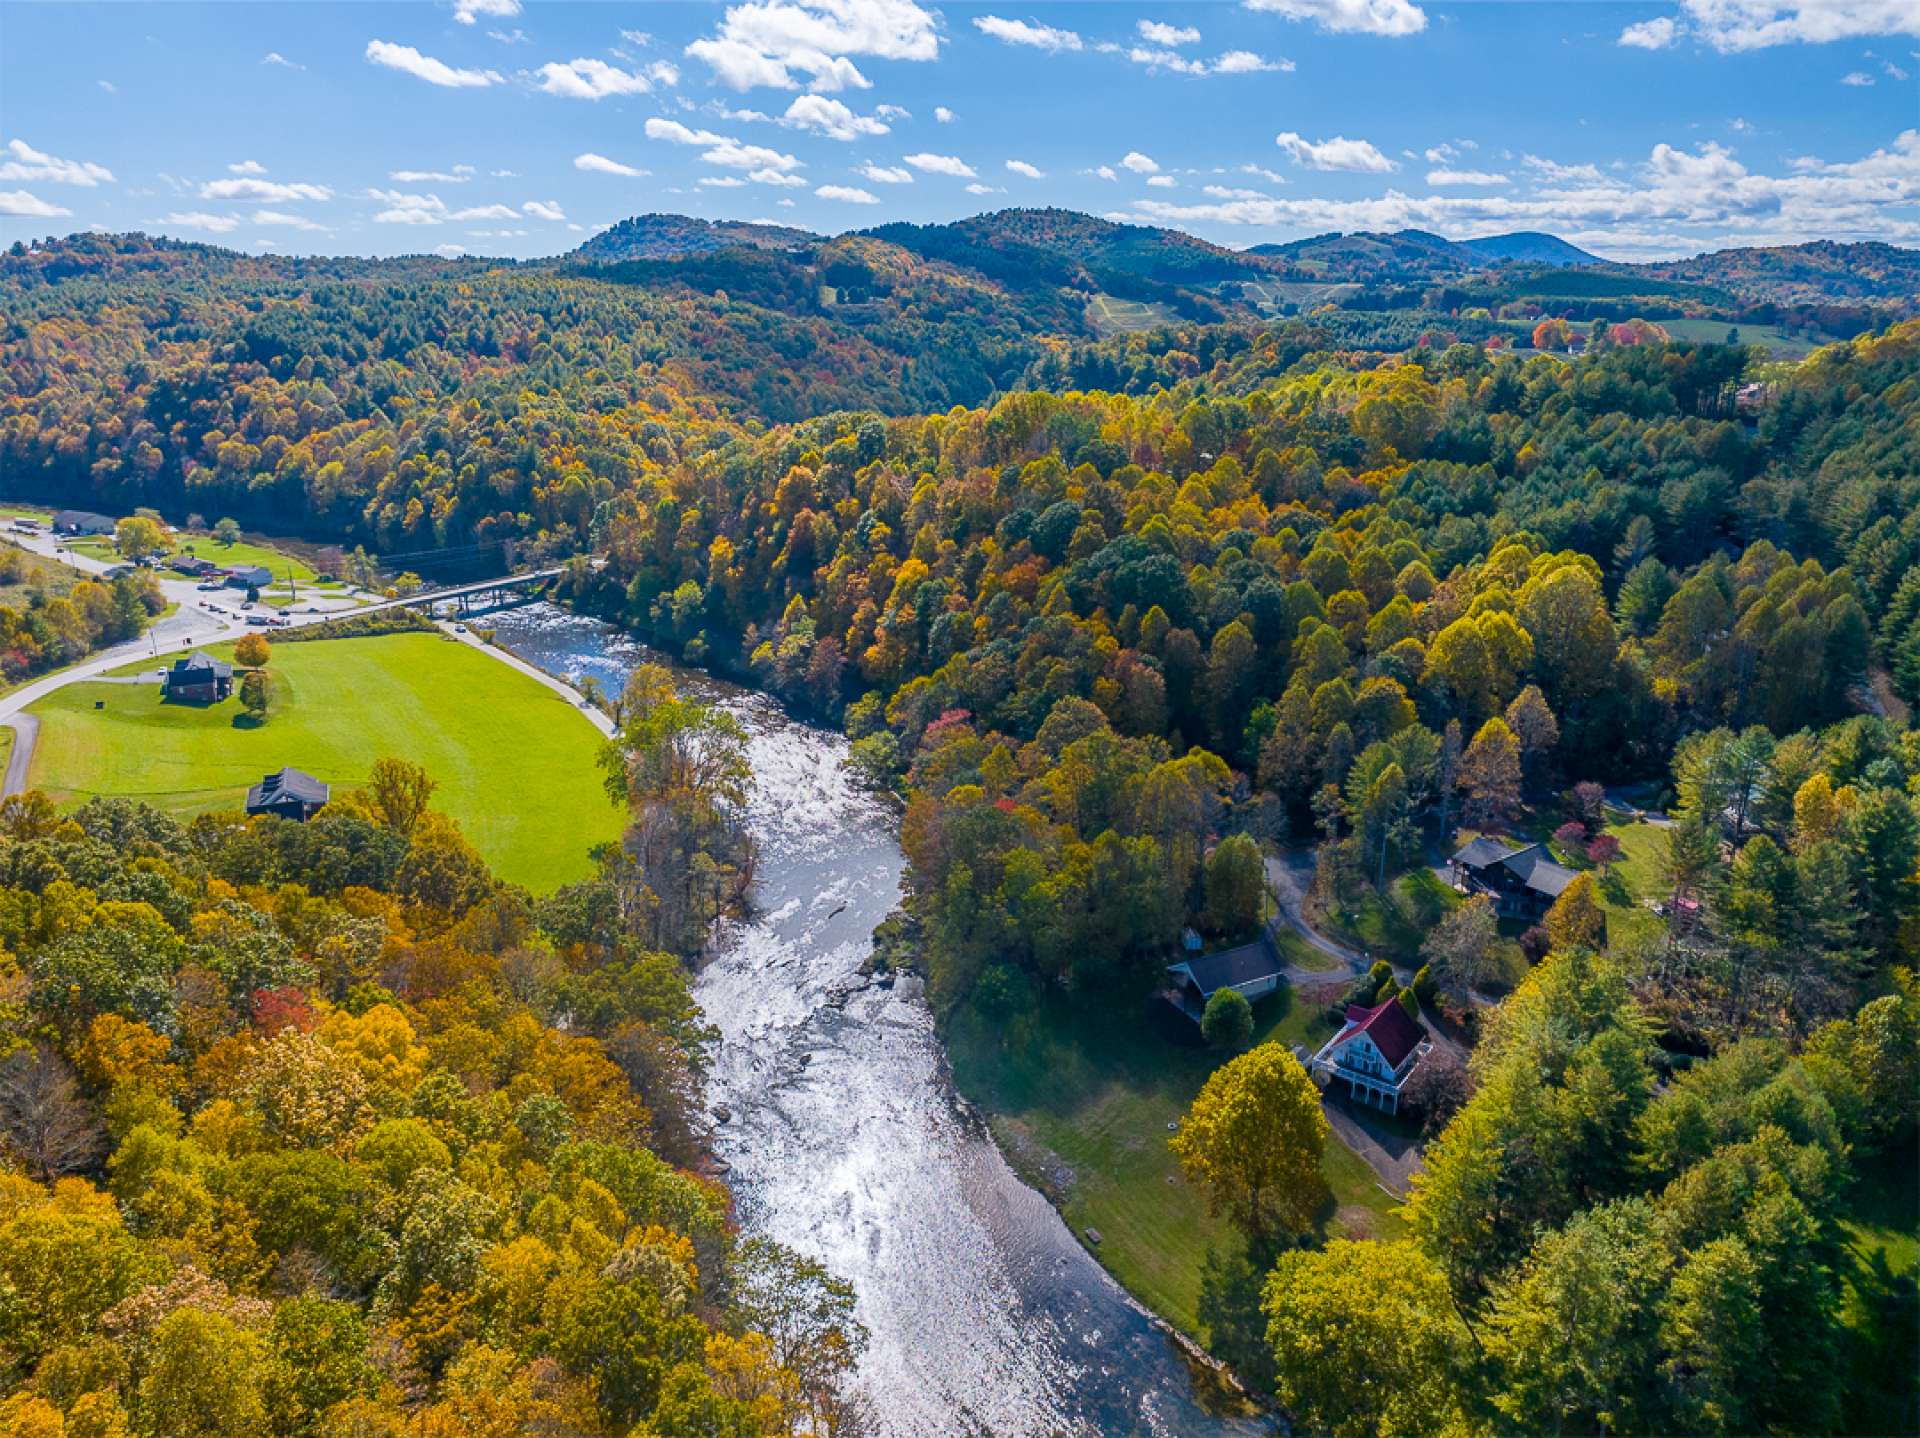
(1082, 1108)
(515, 761)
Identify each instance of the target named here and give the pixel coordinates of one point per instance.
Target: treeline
(49, 628)
(321, 1129)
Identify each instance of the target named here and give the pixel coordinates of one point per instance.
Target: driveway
(1289, 873)
(1394, 1157)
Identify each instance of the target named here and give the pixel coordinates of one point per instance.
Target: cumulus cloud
(1023, 32)
(247, 167)
(1655, 34)
(187, 220)
(1140, 164)
(1164, 182)
(467, 11)
(266, 191)
(780, 43)
(1233, 62)
(1021, 167)
(1465, 177)
(847, 195)
(721, 150)
(1155, 32)
(20, 202)
(286, 220)
(23, 162)
(1677, 201)
(885, 174)
(943, 114)
(1365, 17)
(435, 72)
(721, 182)
(1224, 192)
(1859, 79)
(544, 210)
(831, 118)
(941, 165)
(591, 80)
(601, 165)
(1339, 153)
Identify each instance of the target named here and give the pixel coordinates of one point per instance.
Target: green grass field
(1110, 315)
(514, 761)
(1082, 1108)
(1394, 925)
(227, 556)
(1779, 343)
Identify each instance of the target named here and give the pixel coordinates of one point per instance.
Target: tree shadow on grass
(244, 720)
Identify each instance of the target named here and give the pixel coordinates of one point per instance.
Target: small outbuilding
(290, 794)
(82, 521)
(199, 679)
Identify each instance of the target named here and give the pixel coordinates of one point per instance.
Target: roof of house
(1393, 1032)
(199, 668)
(288, 786)
(1249, 963)
(252, 573)
(71, 517)
(1531, 864)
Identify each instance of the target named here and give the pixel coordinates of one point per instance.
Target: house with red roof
(1375, 1053)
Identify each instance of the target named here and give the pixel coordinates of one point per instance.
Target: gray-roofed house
(1522, 881)
(249, 576)
(82, 521)
(1252, 969)
(291, 794)
(199, 679)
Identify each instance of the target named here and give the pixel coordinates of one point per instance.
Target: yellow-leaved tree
(1253, 1140)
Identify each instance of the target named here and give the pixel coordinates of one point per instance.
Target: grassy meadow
(514, 760)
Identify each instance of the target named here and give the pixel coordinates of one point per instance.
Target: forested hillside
(1110, 615)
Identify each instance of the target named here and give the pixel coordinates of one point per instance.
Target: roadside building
(249, 576)
(199, 679)
(82, 521)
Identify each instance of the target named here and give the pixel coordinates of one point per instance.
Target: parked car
(258, 619)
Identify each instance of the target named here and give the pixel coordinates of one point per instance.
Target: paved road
(1289, 873)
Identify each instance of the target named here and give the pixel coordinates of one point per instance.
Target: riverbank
(1082, 1102)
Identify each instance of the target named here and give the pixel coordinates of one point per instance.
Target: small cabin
(1522, 881)
(290, 794)
(1253, 970)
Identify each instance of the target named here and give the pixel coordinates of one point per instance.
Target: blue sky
(506, 128)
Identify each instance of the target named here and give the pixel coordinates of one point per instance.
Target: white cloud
(1552, 170)
(847, 195)
(1859, 79)
(1164, 182)
(19, 202)
(719, 149)
(1465, 177)
(893, 112)
(1106, 172)
(458, 175)
(831, 118)
(601, 165)
(1222, 192)
(23, 162)
(1157, 33)
(485, 212)
(542, 210)
(515, 36)
(449, 252)
(1366, 17)
(777, 43)
(721, 182)
(1734, 25)
(1655, 34)
(941, 165)
(271, 191)
(979, 189)
(1339, 153)
(1140, 164)
(435, 72)
(199, 220)
(108, 86)
(885, 175)
(591, 80)
(1676, 202)
(1245, 62)
(1021, 167)
(943, 114)
(274, 57)
(287, 220)
(465, 11)
(1022, 32)
(1233, 62)
(247, 167)
(775, 177)
(1271, 176)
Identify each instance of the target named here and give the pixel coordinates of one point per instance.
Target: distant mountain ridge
(1415, 254)
(671, 237)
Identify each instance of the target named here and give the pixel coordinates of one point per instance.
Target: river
(846, 1140)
